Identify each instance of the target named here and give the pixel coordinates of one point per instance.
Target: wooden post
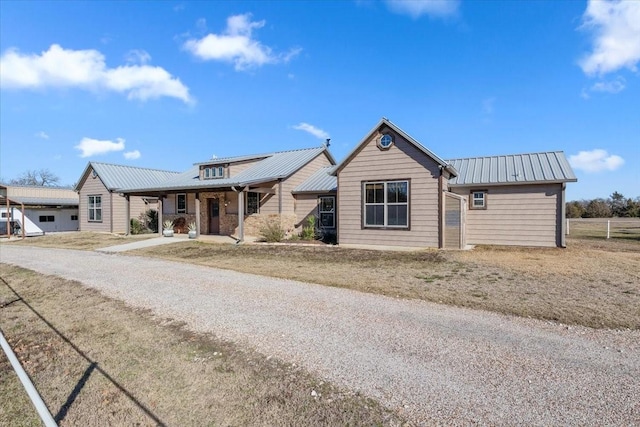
(241, 215)
(22, 223)
(127, 210)
(197, 214)
(160, 215)
(608, 228)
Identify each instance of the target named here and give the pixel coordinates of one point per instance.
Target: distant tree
(618, 204)
(597, 208)
(575, 209)
(42, 177)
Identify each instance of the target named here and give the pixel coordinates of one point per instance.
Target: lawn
(97, 362)
(593, 282)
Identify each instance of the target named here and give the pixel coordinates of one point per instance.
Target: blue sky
(167, 84)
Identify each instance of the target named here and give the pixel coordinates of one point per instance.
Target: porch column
(197, 214)
(241, 215)
(160, 215)
(127, 213)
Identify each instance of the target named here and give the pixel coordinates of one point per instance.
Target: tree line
(616, 205)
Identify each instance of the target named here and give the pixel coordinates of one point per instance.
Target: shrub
(271, 230)
(167, 225)
(151, 216)
(137, 227)
(309, 230)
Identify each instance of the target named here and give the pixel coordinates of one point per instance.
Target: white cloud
(237, 45)
(306, 127)
(42, 134)
(615, 27)
(86, 69)
(91, 147)
(611, 86)
(132, 155)
(417, 8)
(595, 161)
(138, 56)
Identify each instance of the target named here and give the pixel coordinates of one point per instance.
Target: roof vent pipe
(328, 143)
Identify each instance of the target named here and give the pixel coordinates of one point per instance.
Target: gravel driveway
(433, 363)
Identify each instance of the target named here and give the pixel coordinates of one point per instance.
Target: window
(220, 172)
(47, 218)
(478, 199)
(386, 204)
(95, 208)
(214, 172)
(207, 173)
(327, 212)
(74, 217)
(181, 203)
(253, 203)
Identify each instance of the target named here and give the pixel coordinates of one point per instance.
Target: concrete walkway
(157, 241)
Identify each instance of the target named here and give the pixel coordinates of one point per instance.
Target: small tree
(618, 204)
(597, 208)
(575, 209)
(151, 216)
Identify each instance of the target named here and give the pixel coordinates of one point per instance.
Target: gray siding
(402, 161)
(527, 215)
(289, 184)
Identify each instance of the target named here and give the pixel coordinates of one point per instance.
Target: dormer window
(213, 172)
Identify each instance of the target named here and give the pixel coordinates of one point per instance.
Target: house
(235, 195)
(103, 205)
(393, 191)
(390, 191)
(34, 210)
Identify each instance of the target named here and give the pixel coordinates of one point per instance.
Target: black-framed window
(327, 211)
(386, 204)
(47, 218)
(95, 208)
(181, 203)
(478, 199)
(253, 203)
(74, 217)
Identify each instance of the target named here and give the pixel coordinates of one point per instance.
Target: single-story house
(34, 210)
(390, 190)
(104, 207)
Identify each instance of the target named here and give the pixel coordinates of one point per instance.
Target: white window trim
(94, 208)
(385, 204)
(332, 212)
(472, 199)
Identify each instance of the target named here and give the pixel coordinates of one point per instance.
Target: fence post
(608, 228)
(567, 226)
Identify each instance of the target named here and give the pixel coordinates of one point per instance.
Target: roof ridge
(504, 155)
(132, 167)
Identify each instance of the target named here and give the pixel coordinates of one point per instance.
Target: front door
(214, 216)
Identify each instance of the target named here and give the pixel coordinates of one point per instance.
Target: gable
(385, 127)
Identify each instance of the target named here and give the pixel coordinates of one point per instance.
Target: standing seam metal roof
(119, 177)
(276, 166)
(525, 168)
(321, 181)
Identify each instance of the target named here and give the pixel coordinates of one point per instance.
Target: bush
(151, 216)
(309, 230)
(271, 230)
(137, 227)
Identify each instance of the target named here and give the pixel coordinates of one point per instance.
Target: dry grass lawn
(593, 282)
(85, 240)
(98, 362)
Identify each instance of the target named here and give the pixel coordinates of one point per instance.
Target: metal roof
(275, 166)
(45, 201)
(233, 159)
(529, 168)
(119, 177)
(322, 181)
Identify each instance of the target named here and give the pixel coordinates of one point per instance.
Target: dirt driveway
(428, 361)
